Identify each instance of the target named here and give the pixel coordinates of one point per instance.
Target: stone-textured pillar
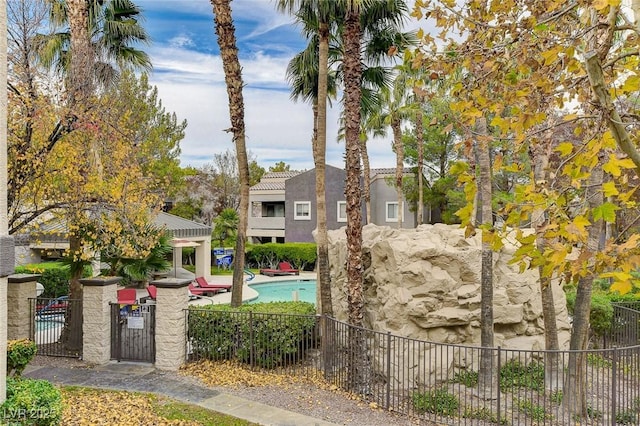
(97, 294)
(171, 302)
(21, 288)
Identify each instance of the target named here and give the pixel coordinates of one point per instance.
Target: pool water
(283, 291)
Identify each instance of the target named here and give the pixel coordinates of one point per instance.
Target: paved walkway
(144, 378)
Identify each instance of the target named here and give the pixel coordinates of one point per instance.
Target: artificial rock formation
(424, 284)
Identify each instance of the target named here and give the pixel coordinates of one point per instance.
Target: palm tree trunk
(233, 79)
(319, 159)
(399, 148)
(358, 372)
(79, 88)
(575, 384)
(487, 374)
(366, 178)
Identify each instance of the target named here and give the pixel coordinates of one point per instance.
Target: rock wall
(424, 284)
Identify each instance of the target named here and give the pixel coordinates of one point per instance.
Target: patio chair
(152, 293)
(284, 268)
(196, 292)
(202, 283)
(127, 296)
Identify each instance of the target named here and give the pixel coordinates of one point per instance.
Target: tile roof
(261, 186)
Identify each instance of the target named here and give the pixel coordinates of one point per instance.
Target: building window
(391, 211)
(342, 211)
(302, 210)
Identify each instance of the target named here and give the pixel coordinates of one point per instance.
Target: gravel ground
(329, 405)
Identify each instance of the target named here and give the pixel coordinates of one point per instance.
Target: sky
(187, 70)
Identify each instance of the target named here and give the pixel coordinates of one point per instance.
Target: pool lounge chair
(197, 292)
(202, 283)
(284, 268)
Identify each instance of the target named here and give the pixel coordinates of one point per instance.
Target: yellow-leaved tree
(532, 67)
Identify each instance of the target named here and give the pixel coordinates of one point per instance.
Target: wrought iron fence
(286, 342)
(56, 326)
(432, 381)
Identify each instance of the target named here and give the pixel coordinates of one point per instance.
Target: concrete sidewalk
(137, 377)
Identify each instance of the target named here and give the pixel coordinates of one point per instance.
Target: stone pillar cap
(172, 282)
(23, 278)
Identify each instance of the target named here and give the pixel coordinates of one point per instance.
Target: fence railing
(261, 340)
(433, 381)
(56, 326)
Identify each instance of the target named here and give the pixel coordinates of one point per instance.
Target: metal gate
(56, 326)
(133, 332)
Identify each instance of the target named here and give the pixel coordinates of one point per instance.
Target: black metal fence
(56, 326)
(286, 342)
(433, 381)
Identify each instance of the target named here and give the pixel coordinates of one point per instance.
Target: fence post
(171, 301)
(388, 401)
(251, 342)
(21, 288)
(498, 380)
(614, 385)
(97, 294)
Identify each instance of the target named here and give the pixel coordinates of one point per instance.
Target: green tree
(280, 166)
(225, 228)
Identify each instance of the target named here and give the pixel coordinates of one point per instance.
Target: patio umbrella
(178, 243)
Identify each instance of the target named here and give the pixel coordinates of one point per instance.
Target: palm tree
(114, 30)
(233, 78)
(309, 74)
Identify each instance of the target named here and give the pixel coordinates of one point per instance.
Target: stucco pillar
(21, 288)
(97, 294)
(203, 259)
(171, 302)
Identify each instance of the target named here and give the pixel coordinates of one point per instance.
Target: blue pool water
(283, 291)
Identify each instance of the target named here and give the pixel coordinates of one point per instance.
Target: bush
(601, 315)
(264, 334)
(301, 255)
(31, 402)
(435, 401)
(19, 354)
(55, 277)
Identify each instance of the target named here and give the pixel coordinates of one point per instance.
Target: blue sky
(190, 79)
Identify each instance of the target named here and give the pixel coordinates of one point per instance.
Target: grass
(95, 406)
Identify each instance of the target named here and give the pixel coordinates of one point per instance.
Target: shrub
(601, 315)
(301, 255)
(435, 401)
(31, 402)
(19, 354)
(55, 277)
(263, 334)
(514, 374)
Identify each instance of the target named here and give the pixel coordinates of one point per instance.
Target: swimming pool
(285, 291)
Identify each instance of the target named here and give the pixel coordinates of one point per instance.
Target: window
(391, 211)
(302, 210)
(342, 211)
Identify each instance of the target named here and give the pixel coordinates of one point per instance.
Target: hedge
(274, 334)
(19, 354)
(31, 402)
(300, 255)
(55, 277)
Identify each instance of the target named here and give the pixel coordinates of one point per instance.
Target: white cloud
(191, 84)
(181, 41)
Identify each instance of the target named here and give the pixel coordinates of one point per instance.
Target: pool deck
(247, 292)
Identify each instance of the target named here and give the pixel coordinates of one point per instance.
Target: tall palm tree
(113, 29)
(5, 245)
(233, 78)
(309, 73)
